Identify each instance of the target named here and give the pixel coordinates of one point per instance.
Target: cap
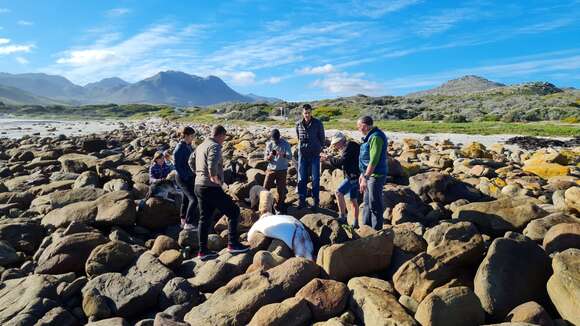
(338, 137)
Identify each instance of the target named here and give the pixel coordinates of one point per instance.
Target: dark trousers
(277, 178)
(373, 203)
(189, 210)
(308, 166)
(209, 200)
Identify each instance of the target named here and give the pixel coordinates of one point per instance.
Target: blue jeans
(309, 166)
(373, 203)
(349, 188)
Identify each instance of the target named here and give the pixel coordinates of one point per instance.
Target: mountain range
(167, 87)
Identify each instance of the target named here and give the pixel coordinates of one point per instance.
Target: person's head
(364, 124)
(187, 134)
(158, 158)
(275, 135)
(218, 133)
(338, 141)
(167, 155)
(306, 112)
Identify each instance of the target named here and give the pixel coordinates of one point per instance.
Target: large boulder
(442, 188)
(25, 237)
(450, 307)
(513, 272)
(23, 301)
(113, 256)
(87, 179)
(323, 230)
(236, 302)
(22, 199)
(537, 229)
(290, 312)
(158, 213)
(501, 215)
(359, 257)
(218, 272)
(82, 212)
(116, 208)
(179, 291)
(572, 199)
(326, 298)
(374, 303)
(69, 253)
(530, 312)
(561, 237)
(564, 285)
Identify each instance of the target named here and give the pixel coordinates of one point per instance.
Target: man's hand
(271, 156)
(362, 184)
(323, 156)
(215, 179)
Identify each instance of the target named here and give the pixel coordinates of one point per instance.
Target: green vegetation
(104, 111)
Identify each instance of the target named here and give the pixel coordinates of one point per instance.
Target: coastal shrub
(455, 118)
(571, 120)
(326, 111)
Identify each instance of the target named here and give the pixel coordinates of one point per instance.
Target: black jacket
(348, 160)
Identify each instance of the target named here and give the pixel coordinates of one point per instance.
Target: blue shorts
(349, 187)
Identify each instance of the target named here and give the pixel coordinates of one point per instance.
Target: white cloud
(87, 57)
(4, 10)
(274, 80)
(116, 12)
(379, 8)
(348, 84)
(15, 48)
(25, 23)
(239, 77)
(22, 60)
(442, 22)
(320, 70)
(4, 41)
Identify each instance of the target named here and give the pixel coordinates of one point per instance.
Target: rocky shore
(475, 235)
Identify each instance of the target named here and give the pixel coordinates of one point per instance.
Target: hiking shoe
(190, 227)
(207, 255)
(237, 248)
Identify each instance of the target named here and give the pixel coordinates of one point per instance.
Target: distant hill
(15, 96)
(168, 87)
(51, 86)
(460, 86)
(179, 89)
(263, 99)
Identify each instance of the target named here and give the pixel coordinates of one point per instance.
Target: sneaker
(189, 227)
(207, 255)
(237, 248)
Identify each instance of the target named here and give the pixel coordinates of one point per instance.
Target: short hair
(158, 155)
(218, 131)
(275, 135)
(186, 131)
(367, 120)
(306, 107)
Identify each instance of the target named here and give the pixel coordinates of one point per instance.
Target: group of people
(200, 175)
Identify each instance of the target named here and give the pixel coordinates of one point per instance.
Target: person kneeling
(348, 162)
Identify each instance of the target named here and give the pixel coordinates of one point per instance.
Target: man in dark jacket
(185, 179)
(310, 133)
(348, 162)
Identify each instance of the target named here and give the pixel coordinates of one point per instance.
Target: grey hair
(367, 120)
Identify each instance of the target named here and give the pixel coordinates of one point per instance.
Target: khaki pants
(278, 178)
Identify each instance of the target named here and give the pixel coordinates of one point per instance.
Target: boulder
(530, 312)
(406, 245)
(537, 229)
(501, 215)
(25, 237)
(115, 321)
(236, 302)
(359, 257)
(452, 306)
(81, 212)
(8, 255)
(403, 213)
(561, 237)
(373, 302)
(264, 260)
(113, 256)
(88, 179)
(457, 244)
(69, 253)
(116, 208)
(256, 176)
(163, 243)
(116, 185)
(25, 300)
(572, 199)
(158, 213)
(57, 316)
(171, 258)
(22, 199)
(564, 285)
(326, 298)
(546, 170)
(323, 230)
(290, 312)
(216, 273)
(513, 272)
(179, 291)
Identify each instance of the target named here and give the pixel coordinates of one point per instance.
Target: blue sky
(297, 50)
